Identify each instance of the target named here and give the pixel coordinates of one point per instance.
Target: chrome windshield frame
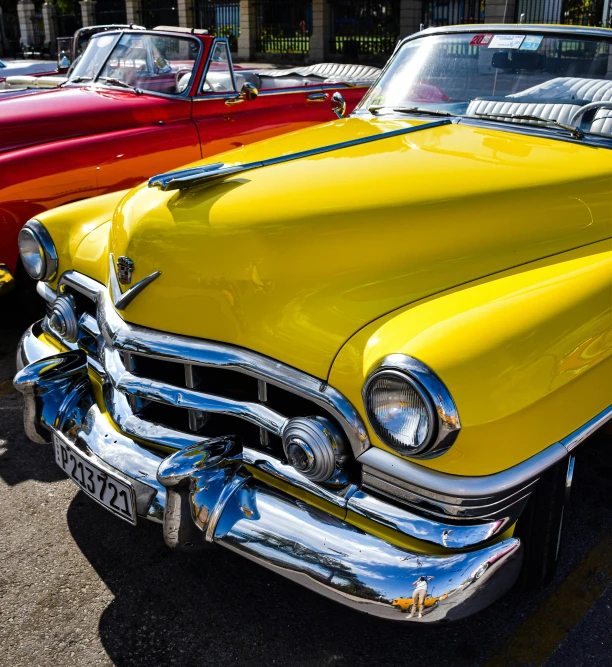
(94, 82)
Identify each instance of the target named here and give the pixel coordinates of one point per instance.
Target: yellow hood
(291, 260)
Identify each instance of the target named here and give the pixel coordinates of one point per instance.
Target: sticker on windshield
(480, 40)
(531, 43)
(506, 41)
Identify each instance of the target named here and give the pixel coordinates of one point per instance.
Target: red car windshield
(146, 61)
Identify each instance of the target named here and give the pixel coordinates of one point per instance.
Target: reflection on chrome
(205, 494)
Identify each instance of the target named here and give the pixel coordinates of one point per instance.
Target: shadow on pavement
(218, 608)
(20, 459)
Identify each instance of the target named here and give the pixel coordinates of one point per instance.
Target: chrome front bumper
(204, 494)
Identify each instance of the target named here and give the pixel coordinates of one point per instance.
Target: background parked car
(140, 102)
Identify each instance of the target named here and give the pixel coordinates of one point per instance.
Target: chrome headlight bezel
(444, 423)
(35, 232)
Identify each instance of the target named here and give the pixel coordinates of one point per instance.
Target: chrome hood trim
(208, 173)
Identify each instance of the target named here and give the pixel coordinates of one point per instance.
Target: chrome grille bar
(160, 392)
(262, 395)
(197, 418)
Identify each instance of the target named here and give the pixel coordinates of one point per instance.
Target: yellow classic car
(361, 354)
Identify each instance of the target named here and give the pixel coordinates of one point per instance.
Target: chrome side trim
(187, 178)
(443, 534)
(572, 441)
(460, 489)
(438, 494)
(445, 507)
(271, 92)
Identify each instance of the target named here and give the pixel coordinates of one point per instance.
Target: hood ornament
(125, 267)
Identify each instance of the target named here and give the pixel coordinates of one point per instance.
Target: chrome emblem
(125, 267)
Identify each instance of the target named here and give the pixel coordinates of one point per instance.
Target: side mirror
(248, 92)
(338, 104)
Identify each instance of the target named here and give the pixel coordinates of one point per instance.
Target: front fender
(526, 355)
(80, 234)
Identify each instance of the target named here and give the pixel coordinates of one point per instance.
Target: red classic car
(143, 102)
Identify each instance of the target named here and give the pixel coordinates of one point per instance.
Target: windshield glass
(474, 74)
(145, 61)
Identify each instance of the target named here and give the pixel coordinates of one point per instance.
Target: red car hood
(73, 112)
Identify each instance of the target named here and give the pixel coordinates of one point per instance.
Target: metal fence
(454, 12)
(10, 29)
(364, 27)
(569, 12)
(158, 12)
(221, 19)
(38, 26)
(69, 18)
(110, 11)
(283, 27)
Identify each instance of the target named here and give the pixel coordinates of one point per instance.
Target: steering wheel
(181, 86)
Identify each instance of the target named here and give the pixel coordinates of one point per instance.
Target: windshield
(500, 74)
(147, 62)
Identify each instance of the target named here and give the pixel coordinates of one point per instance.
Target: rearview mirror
(519, 60)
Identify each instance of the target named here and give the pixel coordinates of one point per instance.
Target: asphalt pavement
(80, 587)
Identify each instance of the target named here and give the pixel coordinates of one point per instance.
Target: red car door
(224, 123)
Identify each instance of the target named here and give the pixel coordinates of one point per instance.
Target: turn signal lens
(400, 412)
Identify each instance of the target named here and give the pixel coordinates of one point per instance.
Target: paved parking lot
(79, 587)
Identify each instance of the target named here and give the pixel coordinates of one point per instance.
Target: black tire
(539, 528)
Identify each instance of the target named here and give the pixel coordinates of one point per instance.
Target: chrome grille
(174, 391)
(214, 400)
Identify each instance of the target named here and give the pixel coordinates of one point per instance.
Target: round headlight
(400, 412)
(37, 251)
(32, 254)
(409, 407)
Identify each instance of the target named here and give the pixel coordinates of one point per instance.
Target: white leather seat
(561, 112)
(320, 73)
(570, 88)
(579, 89)
(602, 122)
